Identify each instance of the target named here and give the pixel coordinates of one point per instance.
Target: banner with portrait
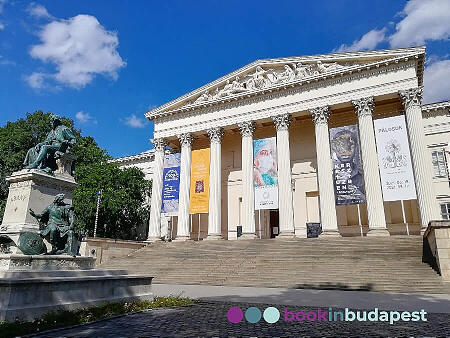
(171, 184)
(265, 173)
(199, 190)
(394, 159)
(347, 171)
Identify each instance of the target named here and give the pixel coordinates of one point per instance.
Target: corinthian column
(428, 206)
(215, 183)
(372, 181)
(154, 227)
(285, 198)
(248, 193)
(327, 202)
(183, 229)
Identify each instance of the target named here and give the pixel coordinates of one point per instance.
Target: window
(445, 210)
(439, 166)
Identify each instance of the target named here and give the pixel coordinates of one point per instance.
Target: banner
(394, 159)
(199, 193)
(171, 184)
(265, 173)
(347, 174)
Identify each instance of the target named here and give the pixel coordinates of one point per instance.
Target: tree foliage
(124, 191)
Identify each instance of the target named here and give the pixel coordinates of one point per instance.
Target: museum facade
(282, 145)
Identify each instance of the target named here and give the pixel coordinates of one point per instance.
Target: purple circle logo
(235, 315)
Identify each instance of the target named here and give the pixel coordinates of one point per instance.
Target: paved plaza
(209, 317)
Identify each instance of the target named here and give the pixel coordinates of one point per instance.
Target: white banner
(394, 159)
(265, 173)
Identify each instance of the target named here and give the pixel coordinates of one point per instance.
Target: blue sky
(105, 63)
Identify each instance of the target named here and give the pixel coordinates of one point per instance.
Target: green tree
(124, 191)
(123, 196)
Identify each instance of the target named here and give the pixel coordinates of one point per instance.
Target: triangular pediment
(267, 75)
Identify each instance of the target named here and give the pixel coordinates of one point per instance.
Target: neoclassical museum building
(282, 146)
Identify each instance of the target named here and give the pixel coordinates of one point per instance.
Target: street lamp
(99, 198)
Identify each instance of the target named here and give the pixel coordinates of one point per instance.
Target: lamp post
(99, 198)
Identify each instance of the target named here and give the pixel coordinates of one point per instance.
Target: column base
(285, 235)
(301, 233)
(248, 236)
(378, 232)
(330, 233)
(214, 237)
(153, 240)
(181, 239)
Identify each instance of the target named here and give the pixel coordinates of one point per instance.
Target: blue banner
(171, 184)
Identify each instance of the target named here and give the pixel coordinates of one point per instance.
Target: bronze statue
(58, 142)
(57, 221)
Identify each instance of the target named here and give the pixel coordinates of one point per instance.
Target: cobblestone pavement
(209, 319)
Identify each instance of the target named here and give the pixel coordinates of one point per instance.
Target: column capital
(186, 139)
(215, 134)
(363, 106)
(320, 115)
(411, 97)
(159, 144)
(282, 122)
(246, 128)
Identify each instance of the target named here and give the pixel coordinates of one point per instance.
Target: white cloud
(80, 48)
(423, 20)
(368, 41)
(435, 82)
(2, 3)
(85, 117)
(5, 62)
(38, 11)
(2, 26)
(135, 122)
(35, 80)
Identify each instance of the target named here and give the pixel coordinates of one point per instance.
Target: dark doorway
(274, 223)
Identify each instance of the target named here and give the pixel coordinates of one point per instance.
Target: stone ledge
(43, 262)
(436, 247)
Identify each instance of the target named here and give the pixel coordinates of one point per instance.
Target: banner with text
(199, 193)
(265, 173)
(394, 159)
(171, 184)
(347, 174)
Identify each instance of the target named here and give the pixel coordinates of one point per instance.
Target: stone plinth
(437, 237)
(42, 262)
(30, 294)
(35, 189)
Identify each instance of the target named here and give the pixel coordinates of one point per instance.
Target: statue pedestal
(35, 189)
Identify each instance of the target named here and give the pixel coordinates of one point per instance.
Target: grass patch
(64, 318)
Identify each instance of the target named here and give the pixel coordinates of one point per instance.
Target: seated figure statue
(57, 221)
(58, 142)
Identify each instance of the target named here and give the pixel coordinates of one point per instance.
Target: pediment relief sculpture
(261, 78)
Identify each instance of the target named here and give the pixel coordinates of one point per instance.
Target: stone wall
(438, 237)
(106, 249)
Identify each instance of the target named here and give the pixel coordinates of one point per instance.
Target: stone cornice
(428, 109)
(290, 108)
(393, 57)
(134, 158)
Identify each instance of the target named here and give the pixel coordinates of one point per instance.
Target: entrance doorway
(274, 223)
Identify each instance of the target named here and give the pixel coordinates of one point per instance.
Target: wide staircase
(386, 264)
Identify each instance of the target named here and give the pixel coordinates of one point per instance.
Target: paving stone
(208, 319)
